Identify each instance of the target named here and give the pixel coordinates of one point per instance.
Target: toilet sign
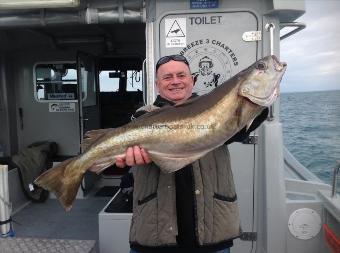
(175, 32)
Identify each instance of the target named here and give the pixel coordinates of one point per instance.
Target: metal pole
(270, 27)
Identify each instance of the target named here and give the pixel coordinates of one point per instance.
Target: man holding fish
(185, 199)
(196, 217)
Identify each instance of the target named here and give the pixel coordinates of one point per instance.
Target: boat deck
(49, 220)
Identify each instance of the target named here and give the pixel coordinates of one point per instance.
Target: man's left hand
(133, 156)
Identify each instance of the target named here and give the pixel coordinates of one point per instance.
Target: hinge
(252, 139)
(248, 236)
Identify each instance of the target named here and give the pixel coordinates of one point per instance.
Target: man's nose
(175, 80)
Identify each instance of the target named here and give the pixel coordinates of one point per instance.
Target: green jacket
(154, 220)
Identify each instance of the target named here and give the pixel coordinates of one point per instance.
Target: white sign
(62, 107)
(252, 36)
(175, 32)
(60, 96)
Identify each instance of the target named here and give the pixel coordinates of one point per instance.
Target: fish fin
(172, 164)
(152, 112)
(188, 102)
(148, 108)
(92, 136)
(249, 124)
(101, 165)
(64, 186)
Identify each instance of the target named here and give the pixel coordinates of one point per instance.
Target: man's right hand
(133, 156)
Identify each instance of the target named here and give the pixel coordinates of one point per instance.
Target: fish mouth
(266, 102)
(272, 97)
(279, 66)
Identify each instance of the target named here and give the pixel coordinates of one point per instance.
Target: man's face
(205, 69)
(174, 81)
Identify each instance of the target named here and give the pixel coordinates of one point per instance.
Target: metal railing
(270, 28)
(335, 178)
(299, 26)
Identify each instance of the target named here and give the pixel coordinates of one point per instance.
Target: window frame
(35, 93)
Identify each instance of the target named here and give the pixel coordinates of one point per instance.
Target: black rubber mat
(107, 191)
(121, 204)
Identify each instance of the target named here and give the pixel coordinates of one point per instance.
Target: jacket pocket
(226, 224)
(147, 198)
(224, 198)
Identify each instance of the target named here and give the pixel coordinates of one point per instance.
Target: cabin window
(134, 80)
(107, 83)
(116, 80)
(56, 81)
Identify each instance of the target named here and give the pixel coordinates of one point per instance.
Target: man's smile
(176, 89)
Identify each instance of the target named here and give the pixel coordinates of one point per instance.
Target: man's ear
(193, 78)
(156, 85)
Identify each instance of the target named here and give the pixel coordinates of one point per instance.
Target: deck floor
(49, 220)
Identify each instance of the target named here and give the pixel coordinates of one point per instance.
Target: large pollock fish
(174, 136)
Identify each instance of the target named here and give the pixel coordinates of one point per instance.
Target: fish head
(262, 80)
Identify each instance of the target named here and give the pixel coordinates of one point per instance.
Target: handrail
(301, 172)
(145, 99)
(299, 26)
(270, 28)
(335, 177)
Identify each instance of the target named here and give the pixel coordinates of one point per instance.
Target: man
(193, 209)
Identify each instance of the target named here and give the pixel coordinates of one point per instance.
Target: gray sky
(313, 54)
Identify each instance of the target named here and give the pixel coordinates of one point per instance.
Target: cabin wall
(8, 132)
(3, 108)
(215, 36)
(260, 7)
(25, 47)
(253, 166)
(174, 5)
(36, 123)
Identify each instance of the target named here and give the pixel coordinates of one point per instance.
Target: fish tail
(63, 180)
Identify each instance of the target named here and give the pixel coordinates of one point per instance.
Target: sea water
(311, 129)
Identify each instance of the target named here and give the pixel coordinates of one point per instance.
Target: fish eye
(261, 66)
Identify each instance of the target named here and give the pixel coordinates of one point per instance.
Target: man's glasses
(175, 57)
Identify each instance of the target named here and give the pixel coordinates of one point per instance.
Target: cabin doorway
(120, 94)
(111, 91)
(120, 89)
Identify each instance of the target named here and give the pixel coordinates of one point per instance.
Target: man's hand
(133, 156)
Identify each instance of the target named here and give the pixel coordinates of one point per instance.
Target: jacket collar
(160, 101)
